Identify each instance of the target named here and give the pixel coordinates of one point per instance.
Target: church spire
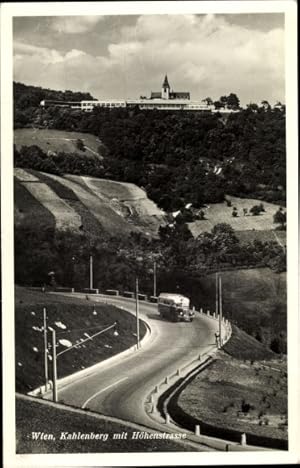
(166, 83)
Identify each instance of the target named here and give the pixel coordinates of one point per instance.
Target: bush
(80, 145)
(255, 210)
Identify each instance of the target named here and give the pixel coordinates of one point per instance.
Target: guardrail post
(199, 357)
(197, 429)
(214, 314)
(208, 313)
(156, 389)
(167, 419)
(243, 439)
(201, 310)
(167, 380)
(178, 372)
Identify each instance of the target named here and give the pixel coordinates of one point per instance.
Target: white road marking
(101, 391)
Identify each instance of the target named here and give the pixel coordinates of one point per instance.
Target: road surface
(120, 389)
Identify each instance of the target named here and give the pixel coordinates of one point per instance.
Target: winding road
(120, 389)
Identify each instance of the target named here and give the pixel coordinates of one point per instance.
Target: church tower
(165, 91)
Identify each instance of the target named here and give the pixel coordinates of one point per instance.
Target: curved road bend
(120, 390)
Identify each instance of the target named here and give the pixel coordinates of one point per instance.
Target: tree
(280, 218)
(208, 101)
(233, 102)
(234, 212)
(255, 210)
(252, 107)
(223, 101)
(218, 104)
(265, 104)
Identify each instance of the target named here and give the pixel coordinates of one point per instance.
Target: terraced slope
(127, 200)
(85, 204)
(65, 216)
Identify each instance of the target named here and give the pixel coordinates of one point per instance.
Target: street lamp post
(56, 355)
(91, 272)
(220, 311)
(45, 348)
(154, 279)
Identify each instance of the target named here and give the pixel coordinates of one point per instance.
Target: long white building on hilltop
(166, 99)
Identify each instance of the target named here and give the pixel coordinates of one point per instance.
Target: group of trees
(38, 252)
(228, 102)
(182, 261)
(33, 157)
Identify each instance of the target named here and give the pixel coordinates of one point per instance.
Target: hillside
(247, 224)
(88, 204)
(244, 390)
(253, 299)
(84, 204)
(73, 319)
(222, 213)
(55, 141)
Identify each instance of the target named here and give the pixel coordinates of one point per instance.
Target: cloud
(206, 55)
(74, 24)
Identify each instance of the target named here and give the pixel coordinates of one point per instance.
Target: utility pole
(45, 348)
(220, 311)
(91, 272)
(154, 279)
(137, 313)
(217, 294)
(54, 366)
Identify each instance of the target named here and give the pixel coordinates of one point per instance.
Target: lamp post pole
(45, 348)
(91, 272)
(154, 279)
(217, 294)
(137, 313)
(54, 357)
(220, 311)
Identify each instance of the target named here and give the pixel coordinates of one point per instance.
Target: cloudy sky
(128, 56)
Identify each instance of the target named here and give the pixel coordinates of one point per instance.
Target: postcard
(149, 233)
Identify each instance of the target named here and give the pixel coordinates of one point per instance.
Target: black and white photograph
(149, 164)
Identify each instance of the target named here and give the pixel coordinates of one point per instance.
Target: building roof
(155, 95)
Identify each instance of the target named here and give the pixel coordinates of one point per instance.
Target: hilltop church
(167, 93)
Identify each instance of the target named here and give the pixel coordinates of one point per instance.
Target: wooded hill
(178, 157)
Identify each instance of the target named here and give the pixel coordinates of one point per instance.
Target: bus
(175, 307)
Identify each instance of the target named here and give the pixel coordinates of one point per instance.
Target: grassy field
(33, 416)
(221, 213)
(56, 140)
(254, 299)
(263, 236)
(73, 319)
(241, 390)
